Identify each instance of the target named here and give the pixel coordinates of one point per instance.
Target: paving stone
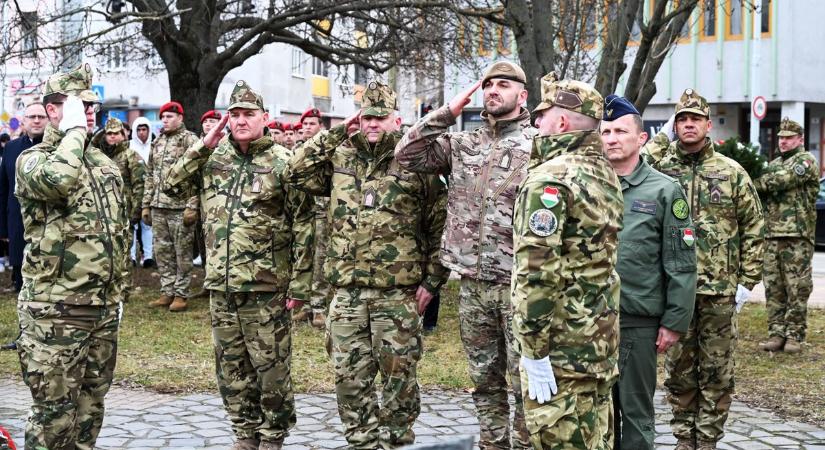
(294, 439)
(212, 432)
(435, 421)
(189, 442)
(777, 440)
(323, 443)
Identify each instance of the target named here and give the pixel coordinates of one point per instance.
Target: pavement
(140, 419)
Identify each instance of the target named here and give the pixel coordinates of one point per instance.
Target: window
(465, 38)
(766, 17)
(361, 75)
(709, 19)
(734, 13)
(320, 67)
(115, 57)
(505, 41)
(298, 63)
(28, 25)
(484, 39)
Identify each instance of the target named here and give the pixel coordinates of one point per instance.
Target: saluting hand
(215, 135)
(463, 99)
(353, 123)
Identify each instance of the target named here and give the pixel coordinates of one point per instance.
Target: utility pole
(72, 27)
(756, 43)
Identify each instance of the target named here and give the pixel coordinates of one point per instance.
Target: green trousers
(634, 415)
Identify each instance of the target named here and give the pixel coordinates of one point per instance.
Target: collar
(501, 127)
(545, 148)
(705, 153)
(791, 152)
(384, 147)
(52, 135)
(256, 146)
(638, 175)
(174, 131)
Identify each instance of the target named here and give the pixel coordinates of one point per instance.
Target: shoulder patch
(31, 163)
(680, 209)
(799, 169)
(543, 222)
(687, 237)
(550, 196)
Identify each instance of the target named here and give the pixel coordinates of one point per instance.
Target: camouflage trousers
(67, 356)
(485, 315)
(371, 331)
(788, 284)
(320, 286)
(173, 251)
(251, 332)
(578, 417)
(699, 380)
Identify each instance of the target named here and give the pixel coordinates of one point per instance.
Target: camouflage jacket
(565, 289)
(166, 151)
(75, 222)
(259, 232)
(385, 222)
(727, 216)
(132, 170)
(484, 168)
(655, 148)
(789, 187)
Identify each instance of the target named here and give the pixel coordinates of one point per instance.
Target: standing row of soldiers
(531, 219)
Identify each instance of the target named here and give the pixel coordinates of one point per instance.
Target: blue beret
(615, 107)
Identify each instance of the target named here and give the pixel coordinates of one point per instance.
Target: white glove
(74, 114)
(541, 382)
(742, 295)
(667, 128)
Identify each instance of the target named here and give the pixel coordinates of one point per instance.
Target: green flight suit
(657, 267)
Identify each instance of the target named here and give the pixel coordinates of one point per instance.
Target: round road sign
(759, 107)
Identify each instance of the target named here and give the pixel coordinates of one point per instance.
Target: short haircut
(640, 125)
(54, 98)
(36, 104)
(579, 121)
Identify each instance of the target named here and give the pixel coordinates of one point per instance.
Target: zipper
(231, 202)
(507, 182)
(482, 182)
(693, 203)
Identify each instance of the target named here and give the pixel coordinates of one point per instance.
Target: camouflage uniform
(565, 287)
(259, 235)
(727, 216)
(789, 188)
(172, 240)
(76, 234)
(384, 227)
(484, 168)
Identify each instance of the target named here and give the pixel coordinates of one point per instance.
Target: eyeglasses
(95, 106)
(36, 117)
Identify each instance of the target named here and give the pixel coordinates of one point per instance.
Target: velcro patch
(644, 206)
(543, 222)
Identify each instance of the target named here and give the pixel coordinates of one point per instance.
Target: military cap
(211, 114)
(694, 103)
(572, 95)
(505, 70)
(77, 82)
(286, 126)
(173, 106)
(244, 97)
(297, 126)
(789, 128)
(113, 125)
(312, 112)
(616, 107)
(275, 125)
(378, 100)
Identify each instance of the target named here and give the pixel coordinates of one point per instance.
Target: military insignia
(680, 209)
(610, 112)
(644, 206)
(31, 163)
(687, 237)
(715, 194)
(550, 197)
(807, 163)
(240, 83)
(688, 91)
(799, 169)
(504, 163)
(543, 222)
(256, 185)
(369, 198)
(373, 85)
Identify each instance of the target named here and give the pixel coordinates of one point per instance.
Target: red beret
(211, 114)
(297, 126)
(312, 112)
(174, 107)
(275, 125)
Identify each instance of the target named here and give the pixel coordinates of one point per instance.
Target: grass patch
(173, 353)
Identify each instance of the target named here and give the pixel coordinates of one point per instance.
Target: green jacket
(258, 231)
(167, 149)
(75, 222)
(727, 214)
(789, 187)
(657, 256)
(132, 170)
(385, 222)
(565, 289)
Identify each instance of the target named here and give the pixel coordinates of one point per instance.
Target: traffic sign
(98, 89)
(759, 107)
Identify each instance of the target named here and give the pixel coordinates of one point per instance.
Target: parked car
(819, 238)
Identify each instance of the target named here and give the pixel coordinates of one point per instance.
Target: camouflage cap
(113, 125)
(244, 97)
(572, 95)
(694, 103)
(378, 100)
(77, 82)
(505, 70)
(790, 128)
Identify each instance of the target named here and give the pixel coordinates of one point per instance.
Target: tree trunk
(195, 90)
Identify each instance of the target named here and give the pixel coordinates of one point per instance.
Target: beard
(502, 109)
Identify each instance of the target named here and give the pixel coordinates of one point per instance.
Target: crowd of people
(584, 249)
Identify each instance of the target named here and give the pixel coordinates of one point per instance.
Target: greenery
(745, 154)
(173, 353)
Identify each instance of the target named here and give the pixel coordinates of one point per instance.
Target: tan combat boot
(685, 444)
(792, 346)
(319, 320)
(705, 445)
(300, 316)
(245, 444)
(774, 344)
(162, 301)
(178, 305)
(271, 445)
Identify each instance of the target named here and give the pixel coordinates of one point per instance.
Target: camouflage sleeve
(435, 214)
(780, 178)
(655, 149)
(301, 217)
(537, 261)
(310, 169)
(50, 177)
(751, 232)
(149, 183)
(179, 182)
(426, 147)
(194, 201)
(137, 173)
(679, 261)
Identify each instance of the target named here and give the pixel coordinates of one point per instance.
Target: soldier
(565, 286)
(209, 120)
(382, 262)
(657, 267)
(260, 234)
(484, 168)
(312, 125)
(789, 187)
(289, 135)
(76, 231)
(727, 216)
(171, 218)
(299, 134)
(276, 130)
